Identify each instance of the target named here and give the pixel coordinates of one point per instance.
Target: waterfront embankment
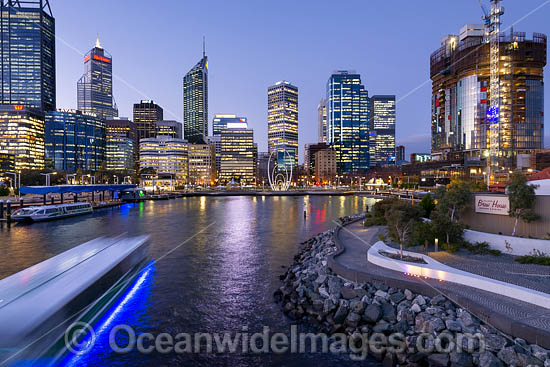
(433, 329)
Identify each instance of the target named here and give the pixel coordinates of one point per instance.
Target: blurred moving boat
(38, 304)
(51, 212)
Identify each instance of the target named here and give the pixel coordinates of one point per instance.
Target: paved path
(513, 317)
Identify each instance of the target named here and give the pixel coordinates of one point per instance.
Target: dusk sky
(253, 44)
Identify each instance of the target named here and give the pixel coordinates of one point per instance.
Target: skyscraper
(400, 153)
(348, 122)
(220, 122)
(22, 136)
(121, 145)
(322, 121)
(95, 87)
(282, 122)
(238, 154)
(146, 114)
(27, 54)
(382, 130)
(195, 102)
(75, 140)
(462, 121)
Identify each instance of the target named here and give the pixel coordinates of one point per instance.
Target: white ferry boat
(51, 212)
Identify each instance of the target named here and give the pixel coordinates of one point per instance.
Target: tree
(402, 217)
(522, 199)
(443, 226)
(454, 199)
(428, 204)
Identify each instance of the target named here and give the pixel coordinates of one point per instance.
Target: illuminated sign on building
(492, 205)
(18, 108)
(101, 58)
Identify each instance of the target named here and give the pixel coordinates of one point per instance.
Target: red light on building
(101, 58)
(484, 89)
(483, 101)
(18, 108)
(86, 58)
(450, 117)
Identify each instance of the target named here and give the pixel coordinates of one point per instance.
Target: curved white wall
(435, 270)
(508, 244)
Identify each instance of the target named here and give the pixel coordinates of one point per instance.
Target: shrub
(536, 257)
(374, 221)
(381, 237)
(495, 252)
(428, 204)
(380, 208)
(452, 248)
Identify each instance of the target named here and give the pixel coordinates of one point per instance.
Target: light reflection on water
(221, 280)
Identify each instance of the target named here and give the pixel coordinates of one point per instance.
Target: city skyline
(236, 84)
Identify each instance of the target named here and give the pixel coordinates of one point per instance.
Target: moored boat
(51, 212)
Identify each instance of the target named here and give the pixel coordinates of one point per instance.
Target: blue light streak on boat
(120, 310)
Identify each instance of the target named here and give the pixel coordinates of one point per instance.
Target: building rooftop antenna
(203, 46)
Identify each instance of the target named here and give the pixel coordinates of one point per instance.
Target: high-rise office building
(75, 140)
(169, 128)
(202, 164)
(237, 155)
(167, 156)
(325, 166)
(382, 130)
(282, 122)
(309, 156)
(322, 121)
(22, 136)
(220, 122)
(121, 145)
(195, 102)
(400, 153)
(146, 114)
(216, 142)
(461, 118)
(348, 122)
(27, 54)
(95, 87)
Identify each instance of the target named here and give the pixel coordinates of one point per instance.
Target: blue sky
(254, 43)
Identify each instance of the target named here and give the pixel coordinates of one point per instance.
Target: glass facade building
(195, 103)
(95, 87)
(460, 73)
(121, 145)
(168, 128)
(22, 136)
(322, 121)
(167, 156)
(282, 123)
(382, 130)
(348, 122)
(146, 114)
(75, 140)
(220, 122)
(238, 154)
(202, 164)
(27, 54)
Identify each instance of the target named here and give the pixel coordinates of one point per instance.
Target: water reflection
(219, 279)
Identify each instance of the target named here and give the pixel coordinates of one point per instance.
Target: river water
(219, 264)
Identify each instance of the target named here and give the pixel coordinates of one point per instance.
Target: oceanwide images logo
(123, 339)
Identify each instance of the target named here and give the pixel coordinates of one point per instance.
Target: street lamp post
(48, 179)
(15, 186)
(73, 175)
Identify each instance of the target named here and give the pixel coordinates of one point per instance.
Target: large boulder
(372, 314)
(509, 356)
(397, 297)
(438, 359)
(341, 313)
(352, 320)
(488, 359)
(388, 312)
(348, 293)
(461, 359)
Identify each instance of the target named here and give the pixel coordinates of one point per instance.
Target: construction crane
(492, 36)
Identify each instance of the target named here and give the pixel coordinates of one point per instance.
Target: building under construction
(465, 120)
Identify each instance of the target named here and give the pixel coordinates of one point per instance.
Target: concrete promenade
(515, 318)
